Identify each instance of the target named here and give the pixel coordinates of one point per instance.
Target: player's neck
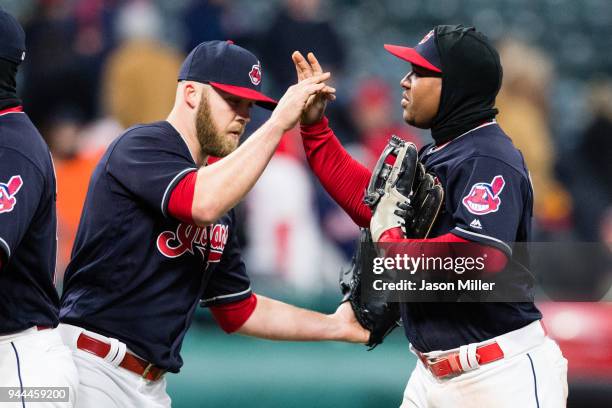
(189, 135)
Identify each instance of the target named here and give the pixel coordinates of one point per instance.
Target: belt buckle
(455, 369)
(148, 369)
(435, 360)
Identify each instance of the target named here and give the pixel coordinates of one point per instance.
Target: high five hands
(316, 103)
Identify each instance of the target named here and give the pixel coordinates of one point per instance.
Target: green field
(234, 371)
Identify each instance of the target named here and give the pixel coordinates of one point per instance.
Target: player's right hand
(315, 106)
(349, 328)
(294, 101)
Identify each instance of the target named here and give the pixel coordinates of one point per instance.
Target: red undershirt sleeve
(181, 198)
(232, 316)
(496, 259)
(343, 177)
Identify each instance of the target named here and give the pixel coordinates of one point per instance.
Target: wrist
(275, 126)
(316, 128)
(337, 330)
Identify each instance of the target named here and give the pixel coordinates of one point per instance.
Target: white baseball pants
(533, 373)
(37, 358)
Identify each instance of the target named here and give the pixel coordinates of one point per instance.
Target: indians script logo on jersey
(7, 194)
(187, 238)
(484, 197)
(255, 74)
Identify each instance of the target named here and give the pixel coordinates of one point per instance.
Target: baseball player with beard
(469, 354)
(31, 350)
(158, 235)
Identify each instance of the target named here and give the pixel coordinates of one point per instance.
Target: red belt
(130, 362)
(450, 364)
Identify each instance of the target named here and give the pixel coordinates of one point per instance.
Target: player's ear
(192, 95)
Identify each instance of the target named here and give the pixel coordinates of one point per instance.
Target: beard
(212, 142)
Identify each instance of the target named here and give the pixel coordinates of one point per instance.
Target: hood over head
(471, 79)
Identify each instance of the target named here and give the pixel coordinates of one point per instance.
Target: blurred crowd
(97, 67)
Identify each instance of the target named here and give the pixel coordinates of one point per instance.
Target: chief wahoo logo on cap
(255, 74)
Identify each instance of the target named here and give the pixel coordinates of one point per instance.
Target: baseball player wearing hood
(469, 354)
(35, 366)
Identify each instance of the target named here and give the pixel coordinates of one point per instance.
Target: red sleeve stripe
(181, 198)
(232, 316)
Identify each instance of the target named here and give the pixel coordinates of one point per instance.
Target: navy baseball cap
(227, 67)
(425, 54)
(12, 38)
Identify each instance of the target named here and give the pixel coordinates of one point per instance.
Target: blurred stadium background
(96, 67)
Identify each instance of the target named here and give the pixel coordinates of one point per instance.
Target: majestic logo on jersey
(7, 194)
(187, 238)
(484, 197)
(255, 74)
(476, 223)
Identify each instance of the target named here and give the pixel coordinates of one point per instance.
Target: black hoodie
(8, 84)
(12, 53)
(471, 78)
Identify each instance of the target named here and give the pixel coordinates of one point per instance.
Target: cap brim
(412, 56)
(247, 93)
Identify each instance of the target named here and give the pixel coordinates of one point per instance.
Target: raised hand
(315, 106)
(295, 100)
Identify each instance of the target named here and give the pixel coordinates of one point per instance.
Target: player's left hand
(397, 189)
(315, 106)
(349, 328)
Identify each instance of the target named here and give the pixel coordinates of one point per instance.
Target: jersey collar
(180, 135)
(435, 148)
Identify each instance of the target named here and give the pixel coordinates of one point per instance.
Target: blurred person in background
(372, 110)
(204, 20)
(139, 75)
(586, 171)
(303, 25)
(288, 248)
(73, 167)
(76, 147)
(55, 59)
(300, 25)
(588, 168)
(524, 114)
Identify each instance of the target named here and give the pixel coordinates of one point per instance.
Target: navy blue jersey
(28, 235)
(136, 273)
(488, 199)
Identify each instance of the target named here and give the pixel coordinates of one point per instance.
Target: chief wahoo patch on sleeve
(7, 193)
(484, 197)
